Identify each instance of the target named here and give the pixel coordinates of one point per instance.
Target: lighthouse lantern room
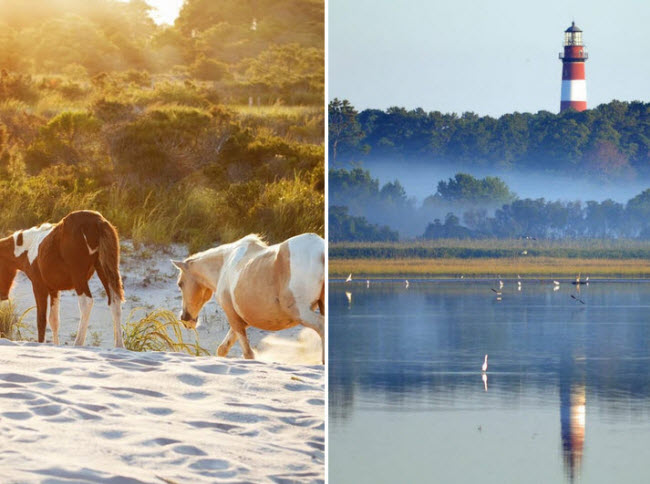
(574, 84)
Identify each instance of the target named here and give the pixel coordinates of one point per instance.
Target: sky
(165, 11)
(488, 57)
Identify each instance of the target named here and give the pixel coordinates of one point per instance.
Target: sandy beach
(88, 414)
(99, 414)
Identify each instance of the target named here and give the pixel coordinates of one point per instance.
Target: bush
(209, 69)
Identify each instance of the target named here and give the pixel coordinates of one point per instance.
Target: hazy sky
(490, 57)
(166, 10)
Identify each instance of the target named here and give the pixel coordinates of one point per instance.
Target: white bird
(587, 279)
(556, 288)
(556, 283)
(407, 284)
(525, 252)
(500, 284)
(484, 367)
(518, 285)
(518, 276)
(349, 278)
(367, 282)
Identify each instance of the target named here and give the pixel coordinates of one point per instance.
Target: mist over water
(420, 179)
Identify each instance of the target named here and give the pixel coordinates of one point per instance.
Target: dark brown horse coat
(64, 256)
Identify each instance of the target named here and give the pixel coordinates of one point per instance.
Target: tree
(465, 188)
(344, 129)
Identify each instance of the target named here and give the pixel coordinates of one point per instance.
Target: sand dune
(94, 415)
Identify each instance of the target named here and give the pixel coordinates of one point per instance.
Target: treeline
(611, 140)
(102, 109)
(246, 48)
(465, 207)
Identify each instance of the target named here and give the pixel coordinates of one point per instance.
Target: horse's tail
(109, 259)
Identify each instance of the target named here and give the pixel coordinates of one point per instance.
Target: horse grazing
(61, 257)
(268, 287)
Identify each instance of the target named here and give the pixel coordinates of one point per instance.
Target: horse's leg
(85, 306)
(245, 345)
(115, 305)
(227, 343)
(315, 321)
(238, 327)
(53, 317)
(40, 295)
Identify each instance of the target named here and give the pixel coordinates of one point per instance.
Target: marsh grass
(490, 267)
(12, 325)
(159, 330)
(515, 249)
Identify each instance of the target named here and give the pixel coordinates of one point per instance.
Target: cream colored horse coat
(268, 287)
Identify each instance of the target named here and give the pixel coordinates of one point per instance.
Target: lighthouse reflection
(572, 413)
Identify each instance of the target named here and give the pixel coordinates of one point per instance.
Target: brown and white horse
(268, 287)
(61, 257)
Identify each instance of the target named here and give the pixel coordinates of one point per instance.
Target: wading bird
(484, 367)
(577, 299)
(349, 278)
(407, 284)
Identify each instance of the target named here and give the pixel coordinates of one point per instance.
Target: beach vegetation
(159, 330)
(192, 133)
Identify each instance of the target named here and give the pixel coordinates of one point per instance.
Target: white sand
(150, 283)
(93, 415)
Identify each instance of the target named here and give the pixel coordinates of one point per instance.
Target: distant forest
(194, 133)
(466, 207)
(611, 140)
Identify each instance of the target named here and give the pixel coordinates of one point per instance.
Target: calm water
(567, 396)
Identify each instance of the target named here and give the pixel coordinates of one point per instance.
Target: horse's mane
(250, 238)
(253, 238)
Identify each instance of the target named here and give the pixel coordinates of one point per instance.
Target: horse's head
(195, 294)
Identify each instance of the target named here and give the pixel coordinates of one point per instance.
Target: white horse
(268, 287)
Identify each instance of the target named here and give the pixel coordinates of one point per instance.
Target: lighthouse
(574, 85)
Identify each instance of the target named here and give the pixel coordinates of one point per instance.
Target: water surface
(566, 396)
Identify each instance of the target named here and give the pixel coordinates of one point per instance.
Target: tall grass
(12, 326)
(159, 330)
(297, 123)
(494, 248)
(486, 267)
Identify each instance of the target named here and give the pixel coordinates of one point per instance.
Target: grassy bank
(494, 249)
(554, 267)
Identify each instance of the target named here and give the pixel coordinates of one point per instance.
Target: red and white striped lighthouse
(574, 85)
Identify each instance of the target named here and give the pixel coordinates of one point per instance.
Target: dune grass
(12, 325)
(159, 330)
(490, 267)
